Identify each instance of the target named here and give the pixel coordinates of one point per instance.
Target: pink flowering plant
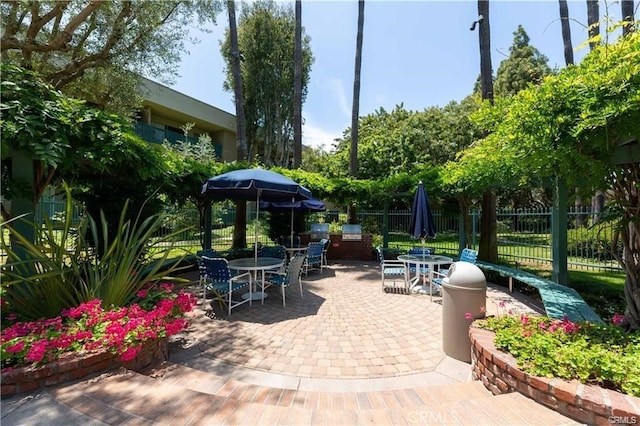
(158, 312)
(599, 354)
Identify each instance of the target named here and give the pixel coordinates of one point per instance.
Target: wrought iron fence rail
(587, 248)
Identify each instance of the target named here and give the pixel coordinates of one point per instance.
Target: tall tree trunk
(625, 184)
(465, 206)
(568, 60)
(241, 130)
(566, 32)
(593, 21)
(297, 89)
(488, 245)
(627, 16)
(240, 223)
(355, 112)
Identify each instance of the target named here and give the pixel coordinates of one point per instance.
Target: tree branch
(77, 67)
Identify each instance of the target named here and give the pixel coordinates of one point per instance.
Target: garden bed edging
(79, 366)
(588, 404)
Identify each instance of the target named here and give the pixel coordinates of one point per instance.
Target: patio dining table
(256, 265)
(419, 262)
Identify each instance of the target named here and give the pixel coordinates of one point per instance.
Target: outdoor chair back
(469, 255)
(207, 252)
(292, 276)
(325, 248)
(466, 255)
(420, 251)
(314, 256)
(277, 251)
(391, 269)
(216, 278)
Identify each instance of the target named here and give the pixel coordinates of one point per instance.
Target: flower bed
(78, 366)
(588, 404)
(89, 339)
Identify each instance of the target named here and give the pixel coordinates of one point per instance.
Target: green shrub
(594, 242)
(61, 269)
(602, 355)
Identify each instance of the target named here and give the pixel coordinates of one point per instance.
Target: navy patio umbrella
(310, 205)
(421, 224)
(254, 184)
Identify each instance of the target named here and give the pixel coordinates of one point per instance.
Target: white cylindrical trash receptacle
(464, 298)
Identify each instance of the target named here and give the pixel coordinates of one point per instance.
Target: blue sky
(418, 53)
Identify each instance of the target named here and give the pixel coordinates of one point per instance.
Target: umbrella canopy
(421, 224)
(254, 184)
(310, 205)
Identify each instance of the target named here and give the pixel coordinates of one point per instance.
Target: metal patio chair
(215, 276)
(391, 269)
(292, 276)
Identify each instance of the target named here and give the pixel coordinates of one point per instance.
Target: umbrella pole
(291, 227)
(292, 200)
(255, 241)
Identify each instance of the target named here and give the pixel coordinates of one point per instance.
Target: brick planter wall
(74, 367)
(589, 404)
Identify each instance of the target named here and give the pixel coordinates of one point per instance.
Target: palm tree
(566, 32)
(241, 147)
(627, 15)
(297, 89)
(593, 20)
(568, 60)
(355, 112)
(240, 223)
(488, 244)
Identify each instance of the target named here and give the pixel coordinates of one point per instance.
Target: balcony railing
(156, 135)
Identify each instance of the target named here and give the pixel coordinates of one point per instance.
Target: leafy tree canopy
(567, 126)
(403, 141)
(266, 38)
(571, 126)
(95, 50)
(525, 65)
(95, 150)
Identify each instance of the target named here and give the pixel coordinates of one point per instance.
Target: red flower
(618, 319)
(37, 351)
(16, 348)
(175, 326)
(130, 353)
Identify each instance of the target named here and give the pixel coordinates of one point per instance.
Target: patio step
(126, 397)
(286, 390)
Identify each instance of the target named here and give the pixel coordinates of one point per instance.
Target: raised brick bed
(588, 404)
(75, 367)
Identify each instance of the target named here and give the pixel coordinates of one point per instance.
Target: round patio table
(292, 251)
(255, 265)
(419, 261)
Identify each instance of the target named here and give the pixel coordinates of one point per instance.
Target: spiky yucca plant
(62, 269)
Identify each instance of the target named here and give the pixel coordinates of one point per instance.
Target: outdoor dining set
(270, 266)
(282, 265)
(244, 280)
(420, 270)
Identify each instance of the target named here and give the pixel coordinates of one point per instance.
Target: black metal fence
(524, 236)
